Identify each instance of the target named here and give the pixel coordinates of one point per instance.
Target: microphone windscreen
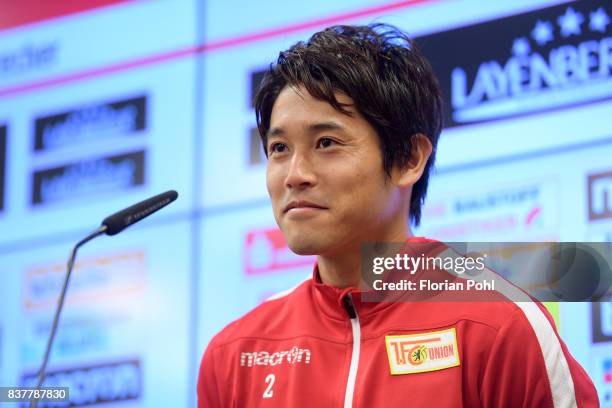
(120, 220)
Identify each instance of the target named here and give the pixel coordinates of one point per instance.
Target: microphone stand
(111, 225)
(41, 374)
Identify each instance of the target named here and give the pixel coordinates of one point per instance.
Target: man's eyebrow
(322, 126)
(275, 132)
(310, 128)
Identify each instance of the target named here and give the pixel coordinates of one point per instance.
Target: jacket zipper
(347, 301)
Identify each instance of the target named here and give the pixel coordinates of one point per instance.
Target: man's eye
(325, 142)
(277, 148)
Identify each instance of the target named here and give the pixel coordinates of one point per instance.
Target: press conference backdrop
(106, 102)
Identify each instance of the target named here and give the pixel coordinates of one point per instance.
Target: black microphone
(111, 225)
(121, 220)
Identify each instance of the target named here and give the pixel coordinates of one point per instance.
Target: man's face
(325, 177)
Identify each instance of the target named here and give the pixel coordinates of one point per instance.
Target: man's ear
(419, 154)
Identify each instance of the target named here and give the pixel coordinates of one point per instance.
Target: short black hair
(389, 80)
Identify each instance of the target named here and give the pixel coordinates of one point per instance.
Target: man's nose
(300, 173)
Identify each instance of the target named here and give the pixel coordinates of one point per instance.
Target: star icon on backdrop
(521, 46)
(599, 20)
(570, 22)
(542, 32)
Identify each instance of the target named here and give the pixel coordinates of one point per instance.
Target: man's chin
(305, 247)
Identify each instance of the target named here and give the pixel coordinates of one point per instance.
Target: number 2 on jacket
(270, 381)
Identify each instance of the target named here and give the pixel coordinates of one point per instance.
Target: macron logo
(263, 358)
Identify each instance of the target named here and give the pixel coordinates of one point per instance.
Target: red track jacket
(320, 346)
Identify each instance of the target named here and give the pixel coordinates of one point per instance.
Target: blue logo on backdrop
(90, 123)
(93, 385)
(546, 59)
(28, 57)
(88, 177)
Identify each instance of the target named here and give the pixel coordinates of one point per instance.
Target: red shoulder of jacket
(266, 320)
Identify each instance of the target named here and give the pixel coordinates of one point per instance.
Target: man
(350, 121)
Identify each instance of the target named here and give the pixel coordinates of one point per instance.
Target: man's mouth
(302, 204)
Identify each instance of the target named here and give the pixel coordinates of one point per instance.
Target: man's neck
(343, 268)
(340, 271)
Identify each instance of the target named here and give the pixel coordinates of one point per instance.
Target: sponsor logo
(601, 314)
(517, 209)
(94, 279)
(606, 319)
(80, 334)
(256, 78)
(547, 59)
(3, 131)
(600, 196)
(108, 174)
(293, 356)
(95, 384)
(495, 199)
(417, 353)
(106, 295)
(28, 57)
(90, 123)
(256, 151)
(266, 251)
